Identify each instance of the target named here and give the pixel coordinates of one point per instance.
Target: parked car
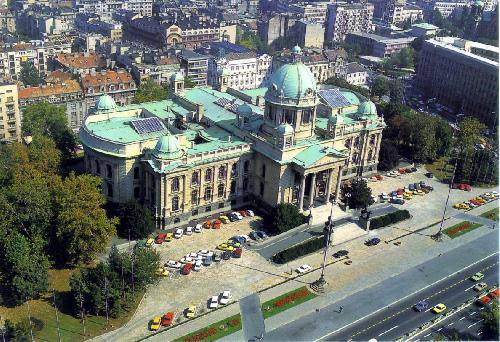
(262, 234)
(186, 260)
(237, 253)
(303, 269)
(155, 323)
(421, 306)
(162, 272)
(396, 200)
(384, 196)
(477, 276)
(160, 238)
(207, 224)
(243, 213)
(462, 186)
(232, 217)
(216, 224)
(205, 252)
(178, 233)
(190, 311)
(250, 213)
(239, 239)
(197, 265)
(224, 219)
(233, 243)
(217, 257)
(186, 269)
(149, 242)
(207, 261)
(439, 308)
(213, 302)
(173, 264)
(167, 319)
(225, 247)
(483, 300)
(254, 236)
(189, 231)
(198, 228)
(226, 255)
(225, 297)
(340, 254)
(372, 242)
(169, 237)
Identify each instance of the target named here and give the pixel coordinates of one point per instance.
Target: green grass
(270, 309)
(214, 331)
(441, 168)
(461, 228)
(491, 214)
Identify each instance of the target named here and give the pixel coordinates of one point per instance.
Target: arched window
(194, 197)
(175, 203)
(372, 139)
(208, 175)
(348, 143)
(222, 172)
(306, 116)
(370, 155)
(109, 171)
(233, 187)
(208, 194)
(288, 116)
(195, 178)
(356, 142)
(234, 170)
(97, 167)
(246, 166)
(175, 184)
(220, 190)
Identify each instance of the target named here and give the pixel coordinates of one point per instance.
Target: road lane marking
(462, 318)
(428, 334)
(451, 324)
(473, 324)
(385, 332)
(472, 313)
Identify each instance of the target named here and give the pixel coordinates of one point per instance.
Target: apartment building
(378, 46)
(10, 118)
(80, 63)
(118, 84)
(195, 66)
(345, 18)
(106, 8)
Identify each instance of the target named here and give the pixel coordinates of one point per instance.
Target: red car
(237, 253)
(216, 224)
(243, 213)
(167, 319)
(379, 177)
(160, 238)
(462, 186)
(186, 269)
(483, 300)
(494, 293)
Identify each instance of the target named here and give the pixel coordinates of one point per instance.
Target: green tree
(150, 91)
(282, 218)
(253, 42)
(357, 194)
(189, 82)
(406, 58)
(388, 156)
(423, 141)
(30, 75)
(136, 219)
(396, 91)
(50, 120)
(491, 318)
(17, 332)
(146, 263)
(81, 224)
(380, 86)
(470, 130)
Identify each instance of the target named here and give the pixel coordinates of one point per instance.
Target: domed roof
(293, 81)
(479, 3)
(296, 49)
(105, 103)
(178, 76)
(367, 108)
(168, 147)
(284, 129)
(244, 109)
(336, 120)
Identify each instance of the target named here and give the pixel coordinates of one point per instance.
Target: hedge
(297, 251)
(390, 218)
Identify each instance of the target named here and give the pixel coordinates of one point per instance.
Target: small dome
(293, 81)
(105, 103)
(244, 110)
(367, 108)
(296, 49)
(178, 76)
(168, 147)
(285, 129)
(479, 3)
(336, 120)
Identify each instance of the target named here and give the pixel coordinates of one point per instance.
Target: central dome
(293, 81)
(105, 103)
(168, 148)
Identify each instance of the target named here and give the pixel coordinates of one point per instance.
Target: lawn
(461, 228)
(286, 301)
(43, 313)
(215, 331)
(441, 169)
(491, 214)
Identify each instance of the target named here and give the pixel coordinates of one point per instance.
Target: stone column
(312, 191)
(328, 185)
(185, 192)
(339, 181)
(302, 189)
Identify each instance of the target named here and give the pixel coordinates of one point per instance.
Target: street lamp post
(318, 284)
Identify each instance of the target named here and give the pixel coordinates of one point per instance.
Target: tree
(50, 120)
(380, 86)
(253, 42)
(81, 224)
(136, 219)
(396, 88)
(17, 332)
(406, 58)
(283, 217)
(491, 318)
(357, 194)
(150, 91)
(470, 130)
(388, 156)
(189, 82)
(30, 75)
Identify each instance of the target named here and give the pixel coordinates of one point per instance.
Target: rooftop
(106, 77)
(67, 87)
(81, 60)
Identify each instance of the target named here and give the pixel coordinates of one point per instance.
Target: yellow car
(407, 196)
(461, 206)
(419, 192)
(439, 308)
(224, 219)
(169, 237)
(191, 311)
(233, 243)
(149, 242)
(155, 323)
(162, 272)
(480, 200)
(225, 247)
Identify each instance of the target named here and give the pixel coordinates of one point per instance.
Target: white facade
(345, 18)
(10, 118)
(356, 74)
(106, 8)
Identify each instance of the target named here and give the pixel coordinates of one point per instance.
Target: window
(208, 194)
(245, 184)
(234, 170)
(175, 203)
(356, 142)
(175, 184)
(110, 189)
(306, 116)
(208, 208)
(220, 190)
(288, 116)
(261, 189)
(370, 155)
(372, 139)
(222, 172)
(263, 171)
(348, 143)
(195, 178)
(136, 192)
(97, 167)
(271, 113)
(246, 166)
(136, 173)
(208, 175)
(233, 187)
(109, 171)
(194, 197)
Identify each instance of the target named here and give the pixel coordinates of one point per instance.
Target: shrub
(282, 218)
(297, 251)
(388, 219)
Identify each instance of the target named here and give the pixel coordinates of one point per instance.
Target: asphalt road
(384, 311)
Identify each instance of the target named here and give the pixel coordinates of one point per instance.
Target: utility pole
(29, 319)
(106, 299)
(319, 284)
(82, 313)
(57, 315)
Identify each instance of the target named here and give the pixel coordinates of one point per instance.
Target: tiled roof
(58, 76)
(354, 67)
(81, 60)
(70, 86)
(232, 56)
(105, 78)
(168, 61)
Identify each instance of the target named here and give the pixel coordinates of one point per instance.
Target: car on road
(421, 306)
(372, 242)
(186, 269)
(303, 269)
(162, 272)
(189, 230)
(225, 247)
(173, 264)
(169, 237)
(167, 319)
(213, 302)
(477, 276)
(480, 287)
(149, 242)
(155, 323)
(225, 297)
(178, 233)
(190, 311)
(340, 254)
(437, 309)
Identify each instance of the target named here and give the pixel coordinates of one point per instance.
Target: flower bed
(286, 301)
(461, 228)
(215, 331)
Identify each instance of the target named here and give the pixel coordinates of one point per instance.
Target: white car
(197, 265)
(173, 264)
(250, 213)
(225, 297)
(237, 215)
(186, 260)
(178, 233)
(198, 228)
(189, 230)
(213, 303)
(205, 253)
(192, 255)
(384, 196)
(303, 269)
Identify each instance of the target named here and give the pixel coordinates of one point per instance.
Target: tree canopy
(150, 91)
(357, 194)
(189, 82)
(253, 42)
(136, 219)
(282, 218)
(380, 86)
(30, 75)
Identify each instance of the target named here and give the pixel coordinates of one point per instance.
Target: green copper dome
(367, 108)
(244, 110)
(284, 129)
(293, 81)
(168, 148)
(105, 103)
(479, 3)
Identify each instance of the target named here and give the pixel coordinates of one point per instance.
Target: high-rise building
(345, 18)
(10, 119)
